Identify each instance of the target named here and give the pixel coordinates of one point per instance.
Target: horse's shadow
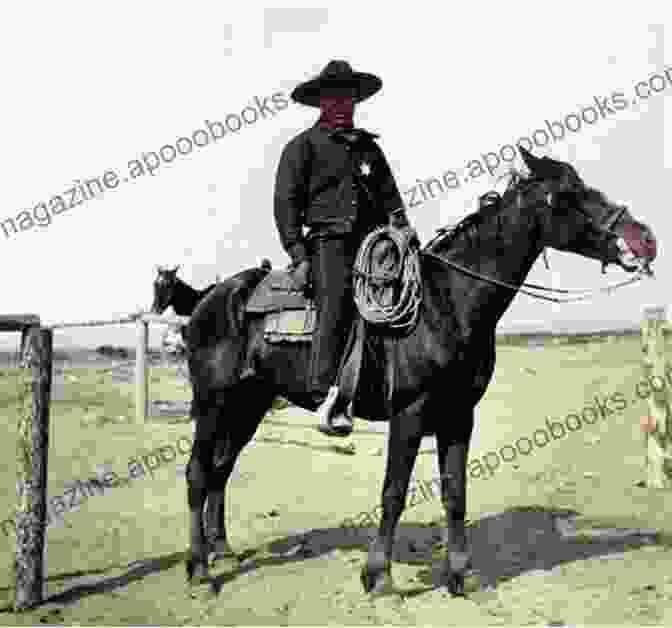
(503, 546)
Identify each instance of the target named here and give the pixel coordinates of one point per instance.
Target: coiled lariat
(388, 294)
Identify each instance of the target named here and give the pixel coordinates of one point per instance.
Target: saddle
(289, 315)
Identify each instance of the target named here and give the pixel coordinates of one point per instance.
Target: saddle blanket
(288, 315)
(290, 325)
(275, 292)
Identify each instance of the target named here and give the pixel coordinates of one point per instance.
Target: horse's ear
(530, 160)
(176, 268)
(540, 167)
(158, 268)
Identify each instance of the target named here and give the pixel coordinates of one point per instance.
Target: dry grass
(310, 490)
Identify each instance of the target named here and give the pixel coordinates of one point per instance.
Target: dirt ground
(563, 535)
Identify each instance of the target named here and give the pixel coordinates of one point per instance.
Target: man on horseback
(334, 181)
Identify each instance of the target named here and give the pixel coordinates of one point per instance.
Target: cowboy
(334, 182)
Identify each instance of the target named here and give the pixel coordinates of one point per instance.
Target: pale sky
(90, 86)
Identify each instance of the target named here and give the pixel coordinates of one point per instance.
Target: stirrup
(339, 424)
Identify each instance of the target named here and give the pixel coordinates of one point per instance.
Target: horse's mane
(202, 293)
(494, 202)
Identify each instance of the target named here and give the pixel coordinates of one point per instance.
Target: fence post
(32, 451)
(141, 381)
(24, 341)
(656, 371)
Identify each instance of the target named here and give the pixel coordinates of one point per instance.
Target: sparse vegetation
(291, 471)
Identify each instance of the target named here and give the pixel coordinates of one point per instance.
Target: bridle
(606, 230)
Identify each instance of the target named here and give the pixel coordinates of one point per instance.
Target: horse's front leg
(404, 441)
(453, 449)
(218, 543)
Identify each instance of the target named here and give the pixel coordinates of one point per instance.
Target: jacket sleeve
(291, 191)
(389, 197)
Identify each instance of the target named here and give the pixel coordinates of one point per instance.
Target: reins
(587, 293)
(403, 312)
(515, 176)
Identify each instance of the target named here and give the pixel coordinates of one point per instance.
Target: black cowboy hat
(337, 75)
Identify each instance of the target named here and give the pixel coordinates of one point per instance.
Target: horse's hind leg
(236, 425)
(453, 449)
(218, 544)
(198, 472)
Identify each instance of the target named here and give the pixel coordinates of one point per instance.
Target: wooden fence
(32, 449)
(33, 434)
(142, 321)
(33, 426)
(656, 365)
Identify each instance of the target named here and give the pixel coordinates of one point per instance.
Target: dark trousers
(332, 261)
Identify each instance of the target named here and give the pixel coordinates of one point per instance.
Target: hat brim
(364, 84)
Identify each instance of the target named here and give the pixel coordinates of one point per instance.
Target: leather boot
(334, 416)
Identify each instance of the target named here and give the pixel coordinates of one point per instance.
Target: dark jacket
(319, 186)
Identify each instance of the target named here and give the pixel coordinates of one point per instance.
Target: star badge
(365, 168)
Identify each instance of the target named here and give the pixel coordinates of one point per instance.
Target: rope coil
(403, 281)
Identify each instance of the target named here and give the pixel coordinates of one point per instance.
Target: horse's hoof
(197, 573)
(377, 583)
(455, 584)
(458, 565)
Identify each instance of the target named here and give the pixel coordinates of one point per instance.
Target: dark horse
(441, 369)
(170, 290)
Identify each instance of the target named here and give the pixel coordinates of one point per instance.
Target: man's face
(339, 108)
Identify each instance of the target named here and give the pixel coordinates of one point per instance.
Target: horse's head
(164, 288)
(577, 218)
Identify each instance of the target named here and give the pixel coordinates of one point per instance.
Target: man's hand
(399, 220)
(300, 275)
